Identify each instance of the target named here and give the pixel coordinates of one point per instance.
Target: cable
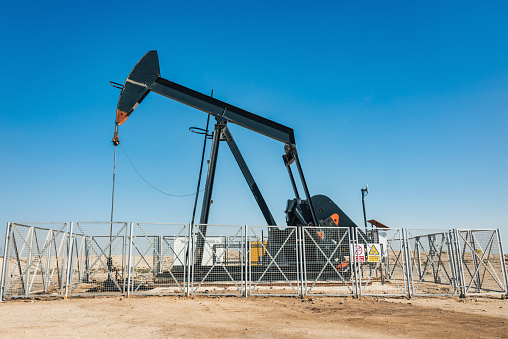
(152, 186)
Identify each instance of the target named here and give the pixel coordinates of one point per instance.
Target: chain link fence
(103, 258)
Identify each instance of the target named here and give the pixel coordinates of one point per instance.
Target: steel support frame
(270, 221)
(207, 195)
(221, 130)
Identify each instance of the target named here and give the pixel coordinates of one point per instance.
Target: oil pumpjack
(317, 210)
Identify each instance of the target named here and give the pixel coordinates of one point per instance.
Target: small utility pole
(365, 191)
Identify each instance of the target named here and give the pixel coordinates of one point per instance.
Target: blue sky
(409, 98)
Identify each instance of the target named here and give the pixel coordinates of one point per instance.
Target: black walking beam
(145, 77)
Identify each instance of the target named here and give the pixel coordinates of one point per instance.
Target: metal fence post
(4, 263)
(352, 246)
(300, 235)
(503, 261)
(451, 259)
(68, 274)
(407, 260)
(409, 267)
(249, 260)
(304, 262)
(188, 262)
(245, 265)
(129, 259)
(28, 269)
(246, 258)
(460, 266)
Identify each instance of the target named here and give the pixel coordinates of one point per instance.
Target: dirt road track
(171, 317)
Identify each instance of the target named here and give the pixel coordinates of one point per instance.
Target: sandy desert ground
(272, 317)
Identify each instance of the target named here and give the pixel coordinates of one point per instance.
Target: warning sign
(359, 251)
(374, 251)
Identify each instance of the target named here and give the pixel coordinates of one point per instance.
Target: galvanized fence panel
(380, 262)
(274, 265)
(158, 259)
(482, 263)
(433, 270)
(218, 260)
(98, 258)
(327, 261)
(34, 260)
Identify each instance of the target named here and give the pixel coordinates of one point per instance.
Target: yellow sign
(374, 253)
(257, 251)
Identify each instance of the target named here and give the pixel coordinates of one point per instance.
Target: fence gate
(98, 256)
(482, 265)
(33, 262)
(274, 267)
(380, 262)
(432, 263)
(158, 259)
(327, 261)
(218, 260)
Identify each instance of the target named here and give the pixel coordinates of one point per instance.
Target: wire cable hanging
(152, 186)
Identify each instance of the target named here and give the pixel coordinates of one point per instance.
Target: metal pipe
(116, 142)
(363, 204)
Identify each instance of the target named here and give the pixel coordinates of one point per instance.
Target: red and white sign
(359, 252)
